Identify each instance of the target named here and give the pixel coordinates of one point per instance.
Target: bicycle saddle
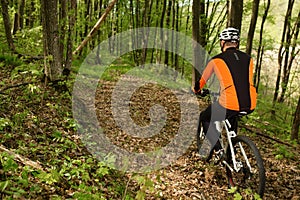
(242, 113)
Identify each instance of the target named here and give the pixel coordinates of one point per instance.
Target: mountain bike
(241, 158)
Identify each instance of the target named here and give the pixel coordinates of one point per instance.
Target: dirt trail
(189, 177)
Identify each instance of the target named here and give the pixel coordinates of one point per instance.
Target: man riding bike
(234, 69)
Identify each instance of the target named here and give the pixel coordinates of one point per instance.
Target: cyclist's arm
(208, 71)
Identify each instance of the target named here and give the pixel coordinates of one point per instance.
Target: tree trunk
(296, 123)
(235, 13)
(30, 10)
(186, 32)
(260, 54)
(147, 21)
(283, 48)
(255, 7)
(62, 27)
(7, 27)
(72, 20)
(287, 52)
(133, 35)
(292, 42)
(260, 48)
(166, 40)
(52, 50)
(21, 14)
(16, 25)
(163, 12)
(176, 61)
(196, 11)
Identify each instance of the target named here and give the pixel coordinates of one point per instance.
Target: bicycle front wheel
(249, 173)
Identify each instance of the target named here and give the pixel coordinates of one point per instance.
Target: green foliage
(243, 194)
(49, 178)
(36, 120)
(113, 72)
(13, 185)
(27, 70)
(273, 120)
(9, 60)
(282, 151)
(30, 41)
(4, 122)
(8, 163)
(145, 184)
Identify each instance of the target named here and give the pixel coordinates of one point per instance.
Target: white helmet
(230, 34)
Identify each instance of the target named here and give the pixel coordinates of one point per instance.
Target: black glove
(204, 92)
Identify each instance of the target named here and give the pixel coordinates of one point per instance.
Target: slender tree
(16, 25)
(235, 13)
(30, 13)
(72, 19)
(255, 8)
(285, 55)
(216, 19)
(63, 10)
(260, 47)
(176, 61)
(186, 31)
(197, 10)
(7, 26)
(292, 53)
(162, 19)
(166, 40)
(296, 123)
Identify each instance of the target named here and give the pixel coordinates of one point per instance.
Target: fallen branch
(14, 86)
(96, 27)
(251, 129)
(268, 124)
(22, 159)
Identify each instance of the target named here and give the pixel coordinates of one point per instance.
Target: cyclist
(234, 69)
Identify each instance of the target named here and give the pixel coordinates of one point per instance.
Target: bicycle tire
(256, 177)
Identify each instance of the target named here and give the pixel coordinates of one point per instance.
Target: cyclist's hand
(204, 92)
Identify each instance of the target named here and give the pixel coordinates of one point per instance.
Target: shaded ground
(189, 177)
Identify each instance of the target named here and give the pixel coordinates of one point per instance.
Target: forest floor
(39, 126)
(189, 177)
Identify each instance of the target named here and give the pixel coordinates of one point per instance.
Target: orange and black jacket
(234, 69)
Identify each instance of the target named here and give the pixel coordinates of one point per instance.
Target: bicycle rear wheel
(251, 175)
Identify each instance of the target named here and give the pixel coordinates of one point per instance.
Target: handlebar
(206, 92)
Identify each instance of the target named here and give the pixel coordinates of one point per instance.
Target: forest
(95, 101)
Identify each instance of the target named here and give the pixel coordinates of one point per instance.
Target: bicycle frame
(231, 134)
(234, 157)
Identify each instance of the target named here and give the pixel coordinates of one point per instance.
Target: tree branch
(14, 86)
(96, 27)
(22, 159)
(251, 129)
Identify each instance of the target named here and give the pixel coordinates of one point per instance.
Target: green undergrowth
(36, 124)
(273, 120)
